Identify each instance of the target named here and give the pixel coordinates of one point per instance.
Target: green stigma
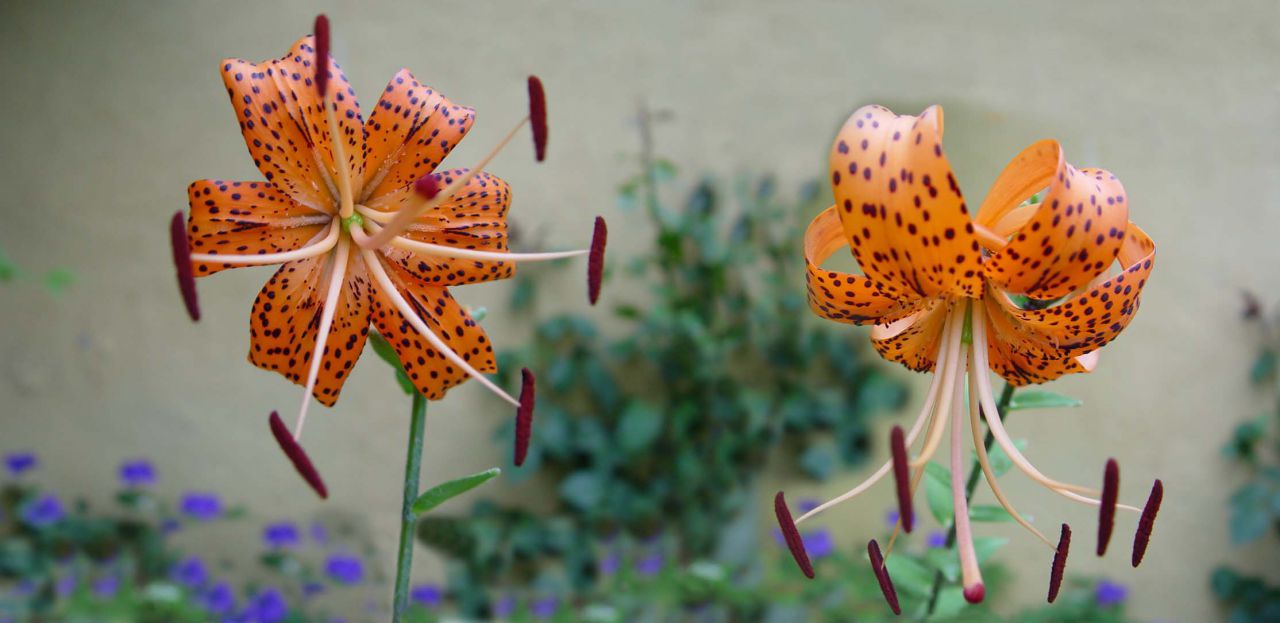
(966, 334)
(355, 220)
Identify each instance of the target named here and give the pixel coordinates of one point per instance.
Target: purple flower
(650, 565)
(106, 586)
(609, 563)
(344, 568)
(936, 540)
(819, 543)
(1109, 593)
(544, 608)
(138, 473)
(268, 606)
(807, 505)
(201, 506)
(169, 526)
(503, 607)
(19, 462)
(319, 533)
(190, 572)
(45, 510)
(219, 600)
(65, 585)
(311, 589)
(427, 596)
(891, 518)
(283, 535)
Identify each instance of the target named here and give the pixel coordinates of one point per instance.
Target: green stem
(412, 466)
(1002, 409)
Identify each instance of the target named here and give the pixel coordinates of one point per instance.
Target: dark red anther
(322, 53)
(595, 260)
(297, 456)
(882, 576)
(792, 535)
(524, 416)
(975, 594)
(182, 262)
(1059, 563)
(1147, 522)
(898, 445)
(427, 186)
(1107, 510)
(538, 117)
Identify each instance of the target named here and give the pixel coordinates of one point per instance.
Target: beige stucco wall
(110, 109)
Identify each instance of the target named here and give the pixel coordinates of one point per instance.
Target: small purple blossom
(311, 589)
(427, 596)
(609, 563)
(544, 608)
(807, 505)
(201, 506)
(282, 535)
(169, 526)
(19, 462)
(891, 518)
(65, 585)
(268, 606)
(344, 568)
(45, 510)
(190, 572)
(503, 607)
(137, 473)
(819, 543)
(219, 600)
(936, 540)
(1108, 593)
(106, 586)
(650, 565)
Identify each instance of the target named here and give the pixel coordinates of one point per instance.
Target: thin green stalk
(1002, 409)
(412, 466)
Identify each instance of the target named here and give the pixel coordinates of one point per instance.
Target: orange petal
(286, 319)
(1020, 369)
(913, 341)
(410, 132)
(474, 218)
(902, 210)
(1071, 238)
(429, 371)
(293, 72)
(838, 296)
(247, 218)
(1090, 320)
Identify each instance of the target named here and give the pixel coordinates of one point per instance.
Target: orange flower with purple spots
(1023, 288)
(368, 230)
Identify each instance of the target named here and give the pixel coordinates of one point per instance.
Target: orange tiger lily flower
(1022, 289)
(366, 228)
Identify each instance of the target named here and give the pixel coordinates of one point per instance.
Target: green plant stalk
(974, 472)
(412, 467)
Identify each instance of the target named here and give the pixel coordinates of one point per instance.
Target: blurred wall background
(110, 109)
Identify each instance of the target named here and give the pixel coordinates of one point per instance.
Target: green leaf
(1000, 462)
(638, 427)
(937, 491)
(910, 575)
(1263, 367)
(388, 354)
(1040, 399)
(58, 280)
(582, 489)
(444, 491)
(988, 513)
(819, 460)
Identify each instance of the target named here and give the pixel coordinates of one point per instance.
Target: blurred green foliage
(1255, 506)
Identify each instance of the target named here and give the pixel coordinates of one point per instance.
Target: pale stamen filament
(970, 572)
(985, 463)
(951, 341)
(337, 273)
(440, 250)
(408, 214)
(927, 410)
(324, 245)
(384, 281)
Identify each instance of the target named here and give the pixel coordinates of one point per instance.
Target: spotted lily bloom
(365, 225)
(1023, 288)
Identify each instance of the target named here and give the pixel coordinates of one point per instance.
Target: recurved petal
(901, 207)
(913, 340)
(426, 367)
(473, 218)
(247, 218)
(409, 133)
(1091, 319)
(1020, 369)
(843, 297)
(286, 321)
(1072, 237)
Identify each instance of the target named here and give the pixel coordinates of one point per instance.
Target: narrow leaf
(1041, 399)
(444, 491)
(937, 491)
(988, 513)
